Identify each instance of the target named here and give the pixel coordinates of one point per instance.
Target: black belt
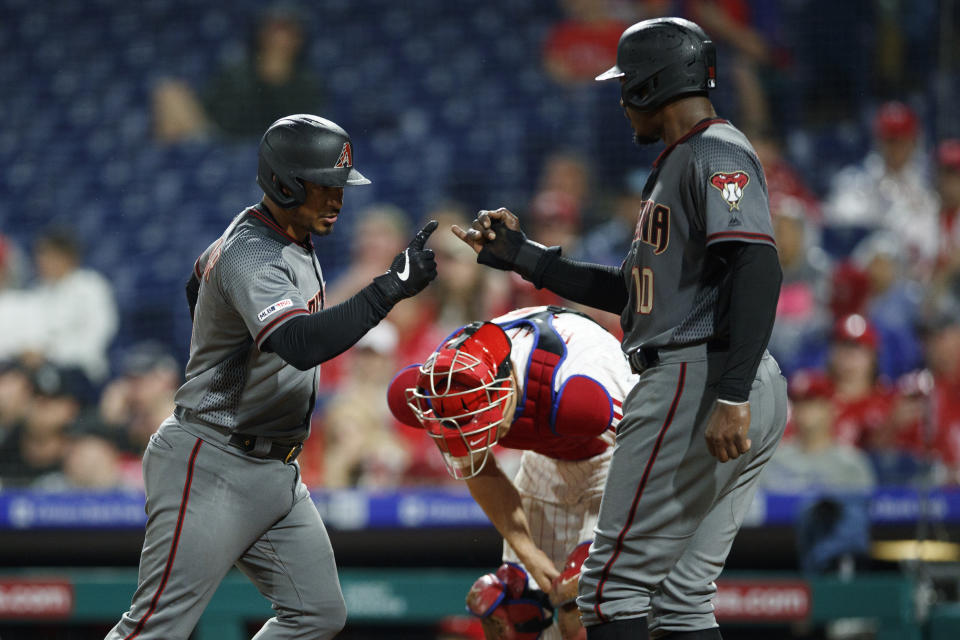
(284, 451)
(642, 358)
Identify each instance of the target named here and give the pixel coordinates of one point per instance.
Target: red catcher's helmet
(460, 395)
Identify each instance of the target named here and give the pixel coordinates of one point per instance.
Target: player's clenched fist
(412, 270)
(726, 433)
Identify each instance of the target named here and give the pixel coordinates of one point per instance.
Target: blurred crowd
(868, 331)
(868, 323)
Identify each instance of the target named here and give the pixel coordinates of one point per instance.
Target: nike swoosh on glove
(411, 270)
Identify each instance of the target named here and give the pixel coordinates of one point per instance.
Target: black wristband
(534, 259)
(388, 288)
(375, 296)
(527, 259)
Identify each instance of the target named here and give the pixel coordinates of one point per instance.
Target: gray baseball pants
(670, 510)
(211, 507)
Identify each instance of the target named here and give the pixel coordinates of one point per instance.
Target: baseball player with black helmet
(697, 295)
(548, 381)
(223, 487)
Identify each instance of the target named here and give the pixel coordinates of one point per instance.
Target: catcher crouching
(551, 382)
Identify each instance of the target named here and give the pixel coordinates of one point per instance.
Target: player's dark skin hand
(726, 433)
(481, 232)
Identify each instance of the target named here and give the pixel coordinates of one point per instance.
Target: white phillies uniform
(573, 379)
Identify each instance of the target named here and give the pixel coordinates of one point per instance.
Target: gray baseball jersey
(706, 188)
(253, 278)
(212, 506)
(670, 510)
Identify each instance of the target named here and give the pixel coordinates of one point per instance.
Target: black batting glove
(501, 252)
(411, 271)
(511, 250)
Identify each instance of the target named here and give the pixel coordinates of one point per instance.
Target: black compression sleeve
(193, 292)
(594, 285)
(755, 288)
(307, 340)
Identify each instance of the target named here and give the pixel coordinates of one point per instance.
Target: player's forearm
(594, 285)
(305, 341)
(756, 277)
(500, 500)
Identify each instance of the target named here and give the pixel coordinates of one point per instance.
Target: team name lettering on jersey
(212, 260)
(653, 226)
(272, 309)
(316, 302)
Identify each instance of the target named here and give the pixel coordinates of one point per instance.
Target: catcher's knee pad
(508, 608)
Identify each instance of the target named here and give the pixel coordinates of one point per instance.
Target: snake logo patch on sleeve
(731, 186)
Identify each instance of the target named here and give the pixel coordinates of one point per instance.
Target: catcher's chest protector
(563, 424)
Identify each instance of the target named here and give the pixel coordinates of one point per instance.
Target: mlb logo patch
(272, 309)
(731, 186)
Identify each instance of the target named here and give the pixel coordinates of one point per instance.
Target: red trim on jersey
(173, 545)
(196, 269)
(618, 546)
(697, 128)
(273, 323)
(267, 220)
(740, 235)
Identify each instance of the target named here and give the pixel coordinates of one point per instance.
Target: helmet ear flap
(294, 189)
(273, 185)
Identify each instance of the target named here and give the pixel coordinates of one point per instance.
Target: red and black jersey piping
(267, 219)
(697, 128)
(619, 544)
(740, 235)
(172, 554)
(276, 321)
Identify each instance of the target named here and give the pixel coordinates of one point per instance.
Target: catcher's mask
(458, 396)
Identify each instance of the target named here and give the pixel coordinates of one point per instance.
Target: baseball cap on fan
(458, 395)
(810, 384)
(948, 154)
(855, 329)
(895, 120)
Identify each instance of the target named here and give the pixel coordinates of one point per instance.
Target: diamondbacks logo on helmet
(731, 186)
(346, 157)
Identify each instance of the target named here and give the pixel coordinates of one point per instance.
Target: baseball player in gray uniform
(222, 484)
(697, 295)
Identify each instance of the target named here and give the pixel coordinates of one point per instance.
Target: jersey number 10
(643, 283)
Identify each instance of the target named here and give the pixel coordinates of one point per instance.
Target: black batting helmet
(307, 148)
(663, 59)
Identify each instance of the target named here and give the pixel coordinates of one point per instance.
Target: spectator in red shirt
(947, 268)
(942, 342)
(583, 45)
(861, 401)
